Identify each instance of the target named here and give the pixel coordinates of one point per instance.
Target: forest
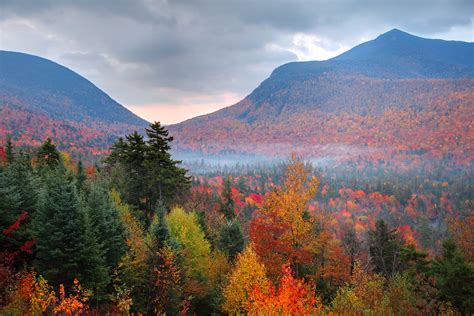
(139, 234)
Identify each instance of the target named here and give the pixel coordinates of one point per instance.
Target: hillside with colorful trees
(398, 97)
(39, 99)
(139, 235)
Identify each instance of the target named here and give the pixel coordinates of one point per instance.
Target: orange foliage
(74, 304)
(292, 297)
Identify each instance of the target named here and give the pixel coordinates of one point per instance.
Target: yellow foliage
(246, 275)
(185, 229)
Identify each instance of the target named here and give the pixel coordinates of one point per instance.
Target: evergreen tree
(106, 225)
(81, 177)
(227, 203)
(231, 239)
(455, 278)
(9, 149)
(48, 155)
(10, 203)
(165, 180)
(65, 245)
(384, 250)
(145, 171)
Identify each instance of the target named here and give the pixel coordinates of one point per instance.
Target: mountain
(40, 98)
(397, 94)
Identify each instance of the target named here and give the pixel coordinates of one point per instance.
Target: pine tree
(65, 245)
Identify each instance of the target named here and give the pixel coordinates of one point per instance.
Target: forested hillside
(396, 97)
(39, 98)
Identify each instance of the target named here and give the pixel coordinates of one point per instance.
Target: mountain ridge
(40, 98)
(365, 84)
(35, 78)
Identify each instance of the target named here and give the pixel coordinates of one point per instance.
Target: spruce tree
(48, 156)
(455, 278)
(9, 149)
(65, 246)
(165, 179)
(81, 177)
(231, 239)
(10, 203)
(144, 171)
(227, 203)
(106, 224)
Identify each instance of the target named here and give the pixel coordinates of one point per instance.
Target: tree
(352, 246)
(48, 155)
(133, 274)
(106, 225)
(165, 179)
(292, 297)
(231, 239)
(282, 229)
(65, 245)
(9, 150)
(455, 278)
(81, 177)
(196, 250)
(248, 273)
(384, 250)
(226, 203)
(145, 172)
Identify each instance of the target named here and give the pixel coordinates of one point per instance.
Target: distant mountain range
(398, 94)
(40, 98)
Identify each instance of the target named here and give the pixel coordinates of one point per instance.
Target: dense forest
(138, 233)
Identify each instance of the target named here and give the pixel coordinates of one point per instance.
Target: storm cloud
(171, 60)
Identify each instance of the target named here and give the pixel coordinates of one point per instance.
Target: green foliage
(106, 225)
(48, 155)
(455, 278)
(231, 239)
(227, 203)
(65, 244)
(146, 171)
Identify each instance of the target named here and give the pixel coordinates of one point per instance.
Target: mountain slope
(58, 91)
(40, 98)
(358, 99)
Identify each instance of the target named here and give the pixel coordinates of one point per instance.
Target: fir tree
(106, 225)
(65, 245)
(231, 239)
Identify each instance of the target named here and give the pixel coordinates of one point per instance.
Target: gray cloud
(163, 52)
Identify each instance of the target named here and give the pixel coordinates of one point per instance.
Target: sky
(172, 60)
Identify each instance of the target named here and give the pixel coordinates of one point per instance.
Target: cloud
(178, 53)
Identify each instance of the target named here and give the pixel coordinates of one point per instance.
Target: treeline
(138, 235)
